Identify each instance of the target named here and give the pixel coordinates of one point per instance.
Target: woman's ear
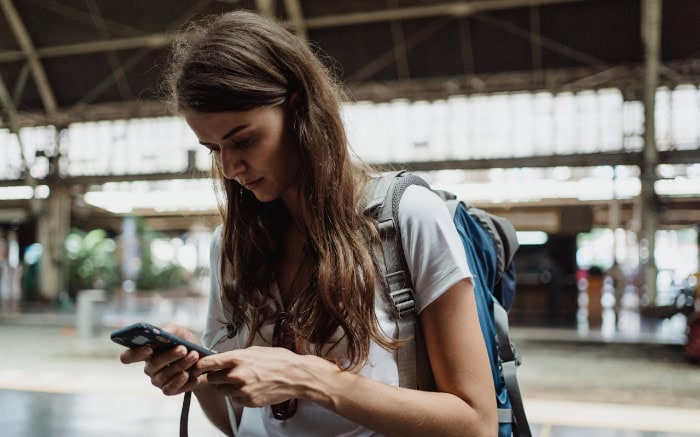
(293, 102)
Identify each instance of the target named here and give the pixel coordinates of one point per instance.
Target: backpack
(489, 243)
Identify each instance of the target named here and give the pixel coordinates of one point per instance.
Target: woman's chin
(264, 198)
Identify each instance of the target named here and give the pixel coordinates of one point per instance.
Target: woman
(292, 266)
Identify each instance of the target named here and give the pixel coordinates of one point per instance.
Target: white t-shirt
(436, 260)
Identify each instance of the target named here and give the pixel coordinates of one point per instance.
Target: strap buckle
(513, 356)
(403, 302)
(518, 360)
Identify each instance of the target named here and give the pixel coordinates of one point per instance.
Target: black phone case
(145, 334)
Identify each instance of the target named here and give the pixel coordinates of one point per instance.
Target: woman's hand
(260, 376)
(168, 369)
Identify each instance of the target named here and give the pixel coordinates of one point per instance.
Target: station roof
(79, 60)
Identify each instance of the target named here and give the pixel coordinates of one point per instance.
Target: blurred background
(578, 120)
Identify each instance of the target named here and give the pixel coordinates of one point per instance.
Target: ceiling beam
(112, 57)
(453, 9)
(405, 45)
(403, 71)
(119, 71)
(152, 41)
(691, 156)
(296, 18)
(92, 112)
(20, 83)
(79, 15)
(7, 103)
(25, 42)
(554, 81)
(160, 40)
(536, 38)
(266, 8)
(466, 46)
(536, 43)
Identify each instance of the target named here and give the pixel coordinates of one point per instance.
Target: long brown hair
(239, 61)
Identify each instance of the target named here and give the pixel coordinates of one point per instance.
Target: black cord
(184, 414)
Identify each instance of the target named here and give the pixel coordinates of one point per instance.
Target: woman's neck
(292, 201)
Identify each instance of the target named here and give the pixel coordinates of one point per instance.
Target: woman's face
(256, 148)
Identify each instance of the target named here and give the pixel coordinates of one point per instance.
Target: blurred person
(5, 273)
(595, 293)
(551, 275)
(619, 283)
(293, 277)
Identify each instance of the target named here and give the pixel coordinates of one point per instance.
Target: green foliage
(152, 276)
(91, 261)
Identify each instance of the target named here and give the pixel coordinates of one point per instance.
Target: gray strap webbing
(399, 286)
(376, 190)
(509, 364)
(505, 415)
(511, 380)
(452, 205)
(397, 282)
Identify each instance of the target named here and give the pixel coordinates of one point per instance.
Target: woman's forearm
(393, 410)
(214, 406)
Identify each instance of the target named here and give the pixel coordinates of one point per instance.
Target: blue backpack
(489, 244)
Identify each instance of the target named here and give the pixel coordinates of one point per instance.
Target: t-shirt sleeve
(431, 245)
(215, 311)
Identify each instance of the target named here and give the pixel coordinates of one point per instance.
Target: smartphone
(145, 334)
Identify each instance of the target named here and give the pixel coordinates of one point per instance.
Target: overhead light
(532, 238)
(16, 193)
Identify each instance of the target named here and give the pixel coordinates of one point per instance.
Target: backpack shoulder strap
(510, 360)
(381, 202)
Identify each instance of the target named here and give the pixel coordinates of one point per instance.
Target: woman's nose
(232, 164)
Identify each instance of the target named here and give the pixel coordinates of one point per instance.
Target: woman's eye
(242, 144)
(212, 149)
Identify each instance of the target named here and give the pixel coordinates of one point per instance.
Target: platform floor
(39, 414)
(576, 382)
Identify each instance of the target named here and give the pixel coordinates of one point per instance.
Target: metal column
(651, 38)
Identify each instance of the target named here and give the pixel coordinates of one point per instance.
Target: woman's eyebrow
(228, 134)
(233, 131)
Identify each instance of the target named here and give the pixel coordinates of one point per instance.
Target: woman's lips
(253, 184)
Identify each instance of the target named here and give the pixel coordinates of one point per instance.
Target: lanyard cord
(187, 399)
(184, 414)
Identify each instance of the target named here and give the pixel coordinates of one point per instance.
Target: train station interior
(576, 120)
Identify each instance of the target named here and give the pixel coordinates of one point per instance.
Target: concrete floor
(574, 383)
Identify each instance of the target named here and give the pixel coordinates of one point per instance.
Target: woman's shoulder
(215, 253)
(215, 245)
(420, 204)
(216, 235)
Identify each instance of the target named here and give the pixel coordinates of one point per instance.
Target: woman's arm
(463, 405)
(214, 406)
(169, 371)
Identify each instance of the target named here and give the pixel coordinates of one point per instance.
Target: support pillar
(651, 38)
(614, 213)
(53, 225)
